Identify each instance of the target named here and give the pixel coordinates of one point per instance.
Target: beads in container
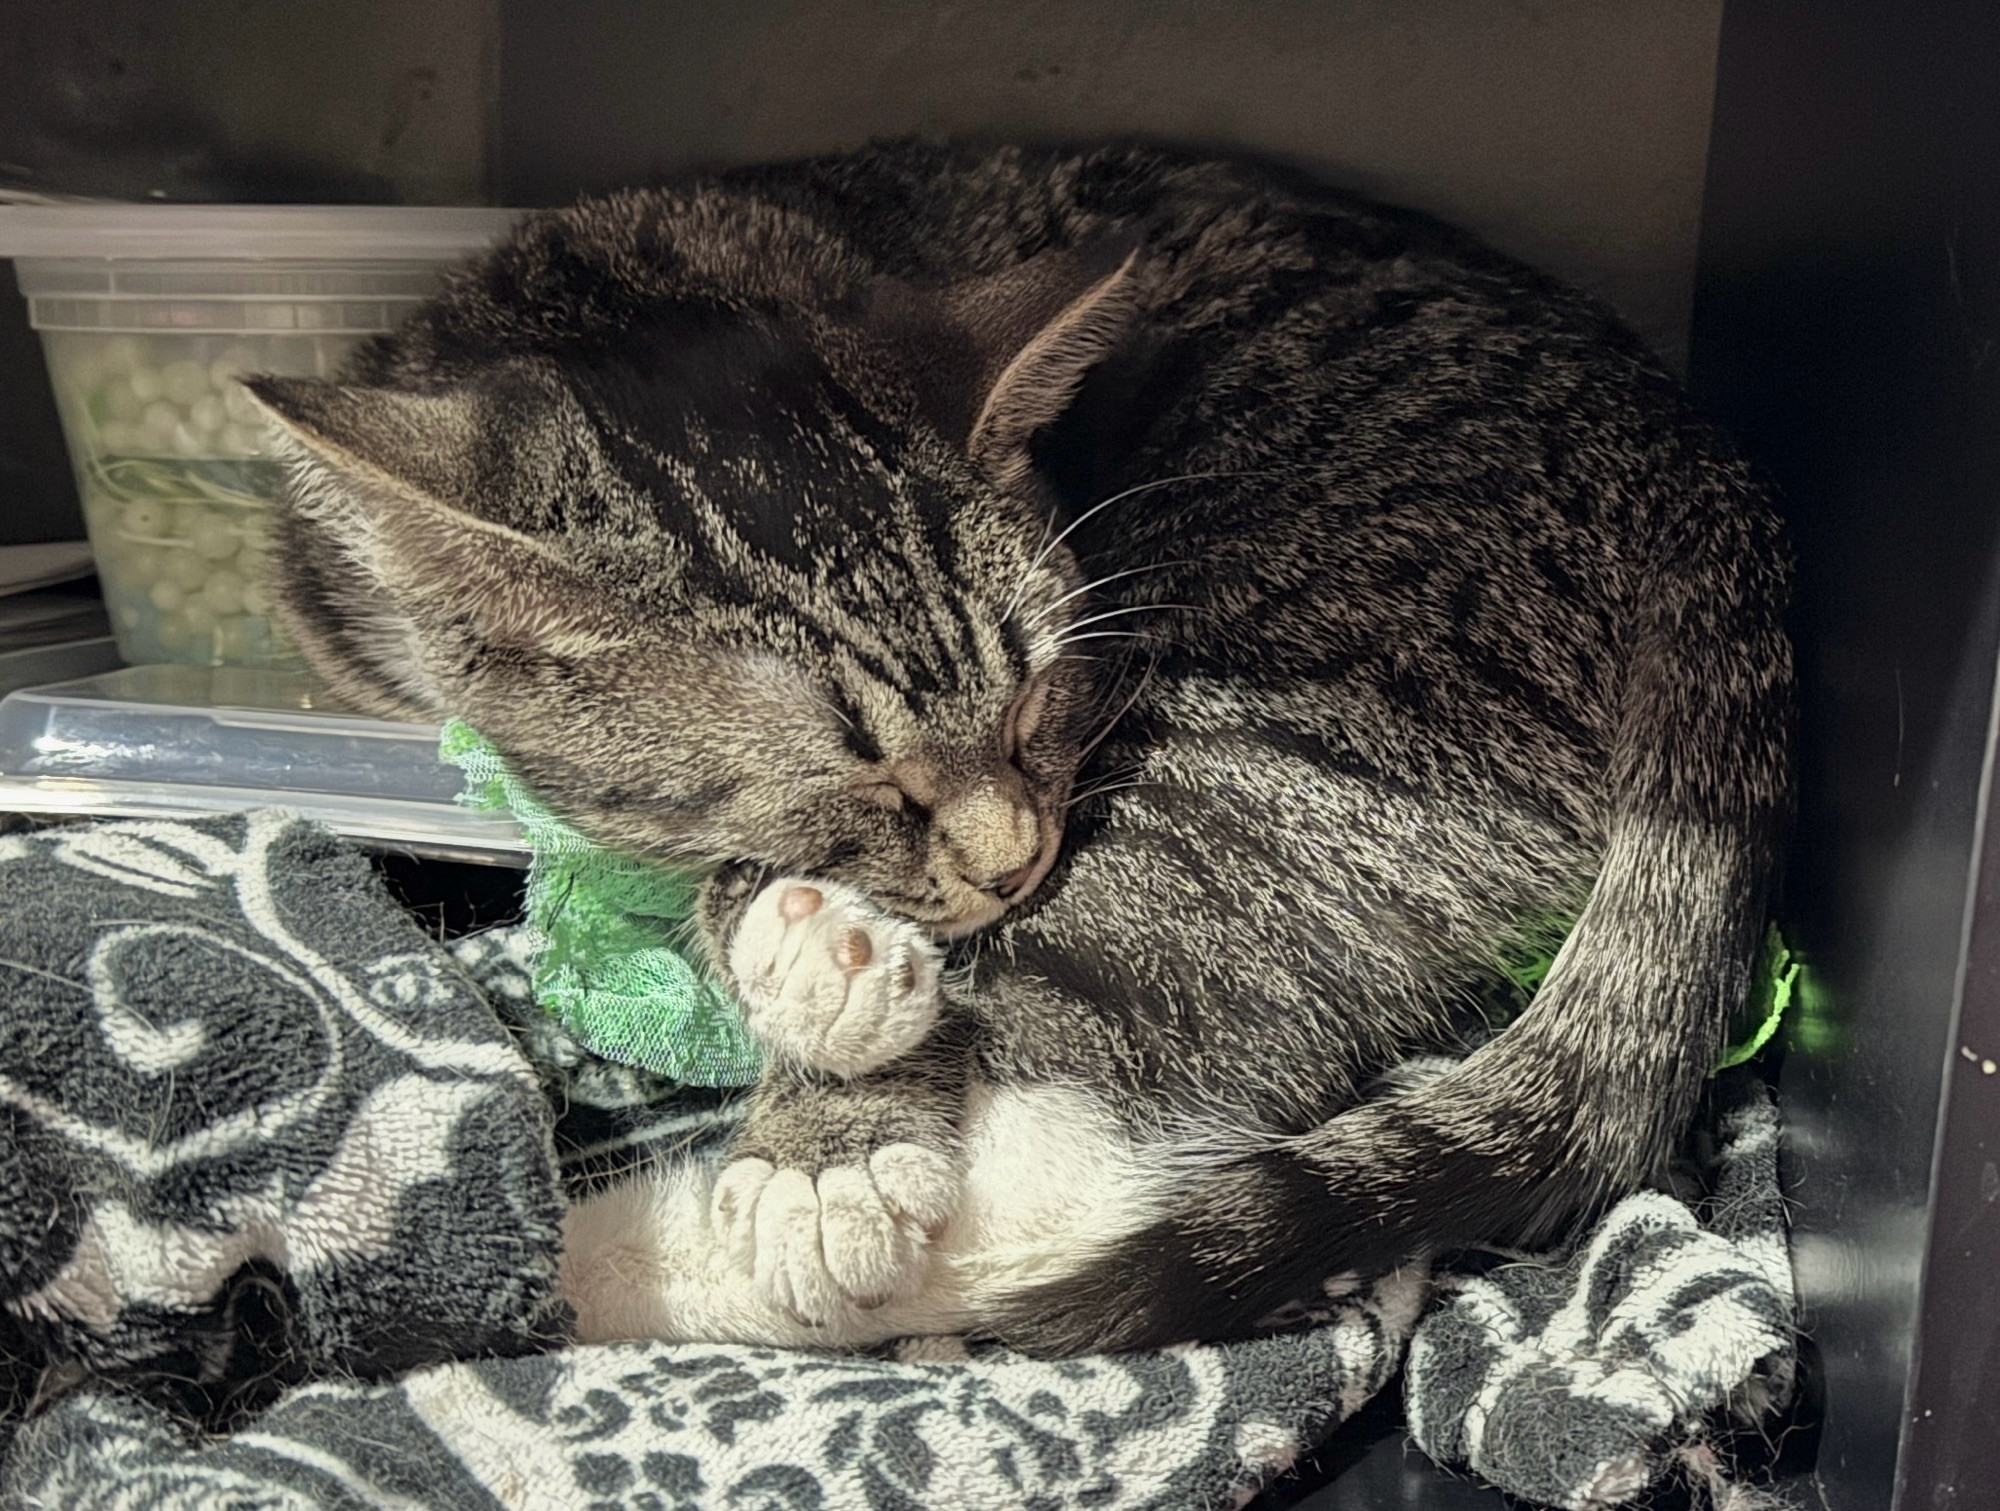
(177, 488)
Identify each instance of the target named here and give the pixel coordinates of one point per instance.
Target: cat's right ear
(996, 358)
(394, 486)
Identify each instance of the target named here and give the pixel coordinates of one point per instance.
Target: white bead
(122, 401)
(189, 517)
(167, 595)
(223, 593)
(216, 540)
(139, 566)
(186, 569)
(206, 414)
(147, 384)
(144, 516)
(187, 442)
(184, 381)
(156, 430)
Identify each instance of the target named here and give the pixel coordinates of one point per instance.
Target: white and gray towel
(1579, 1383)
(279, 1197)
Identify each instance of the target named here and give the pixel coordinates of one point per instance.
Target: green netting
(1775, 980)
(609, 969)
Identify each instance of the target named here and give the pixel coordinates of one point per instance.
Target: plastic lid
(163, 740)
(250, 232)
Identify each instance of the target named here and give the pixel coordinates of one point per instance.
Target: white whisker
(1103, 504)
(1091, 587)
(1021, 582)
(1137, 608)
(1124, 708)
(1104, 789)
(1068, 640)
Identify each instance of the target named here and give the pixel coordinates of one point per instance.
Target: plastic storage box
(149, 315)
(169, 741)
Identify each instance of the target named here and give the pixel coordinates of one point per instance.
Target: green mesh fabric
(609, 970)
(1777, 977)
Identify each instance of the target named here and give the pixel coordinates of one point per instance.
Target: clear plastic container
(149, 316)
(168, 741)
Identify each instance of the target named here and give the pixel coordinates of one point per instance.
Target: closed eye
(882, 795)
(860, 743)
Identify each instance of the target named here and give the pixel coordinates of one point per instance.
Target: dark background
(1848, 326)
(1824, 262)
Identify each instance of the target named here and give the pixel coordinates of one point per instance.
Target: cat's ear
(993, 359)
(415, 456)
(400, 485)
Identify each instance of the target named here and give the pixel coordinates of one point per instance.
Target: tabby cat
(1135, 639)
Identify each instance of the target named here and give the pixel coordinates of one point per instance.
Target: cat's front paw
(854, 1236)
(830, 981)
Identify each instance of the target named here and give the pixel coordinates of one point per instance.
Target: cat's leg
(835, 1189)
(846, 1165)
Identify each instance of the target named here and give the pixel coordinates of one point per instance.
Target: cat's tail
(1587, 1091)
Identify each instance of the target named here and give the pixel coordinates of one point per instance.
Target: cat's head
(764, 580)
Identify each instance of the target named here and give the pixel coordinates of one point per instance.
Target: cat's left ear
(392, 500)
(994, 359)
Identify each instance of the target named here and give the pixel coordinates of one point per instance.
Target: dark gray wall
(1848, 326)
(368, 101)
(1571, 132)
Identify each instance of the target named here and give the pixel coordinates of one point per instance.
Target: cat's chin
(989, 910)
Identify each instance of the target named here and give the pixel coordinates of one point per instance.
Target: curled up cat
(1134, 639)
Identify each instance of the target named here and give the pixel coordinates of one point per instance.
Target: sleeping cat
(1136, 638)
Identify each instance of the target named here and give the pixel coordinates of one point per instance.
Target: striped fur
(1223, 612)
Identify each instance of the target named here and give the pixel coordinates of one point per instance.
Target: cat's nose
(993, 834)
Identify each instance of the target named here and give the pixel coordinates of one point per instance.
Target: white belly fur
(1051, 1178)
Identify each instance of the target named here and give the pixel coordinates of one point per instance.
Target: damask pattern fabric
(257, 1125)
(279, 1167)
(1579, 1384)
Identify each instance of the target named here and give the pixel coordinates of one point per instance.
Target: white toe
(789, 1270)
(866, 1253)
(732, 1209)
(918, 1183)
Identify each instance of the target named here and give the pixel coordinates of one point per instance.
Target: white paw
(856, 1237)
(830, 981)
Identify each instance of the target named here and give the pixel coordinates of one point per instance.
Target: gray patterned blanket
(279, 1201)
